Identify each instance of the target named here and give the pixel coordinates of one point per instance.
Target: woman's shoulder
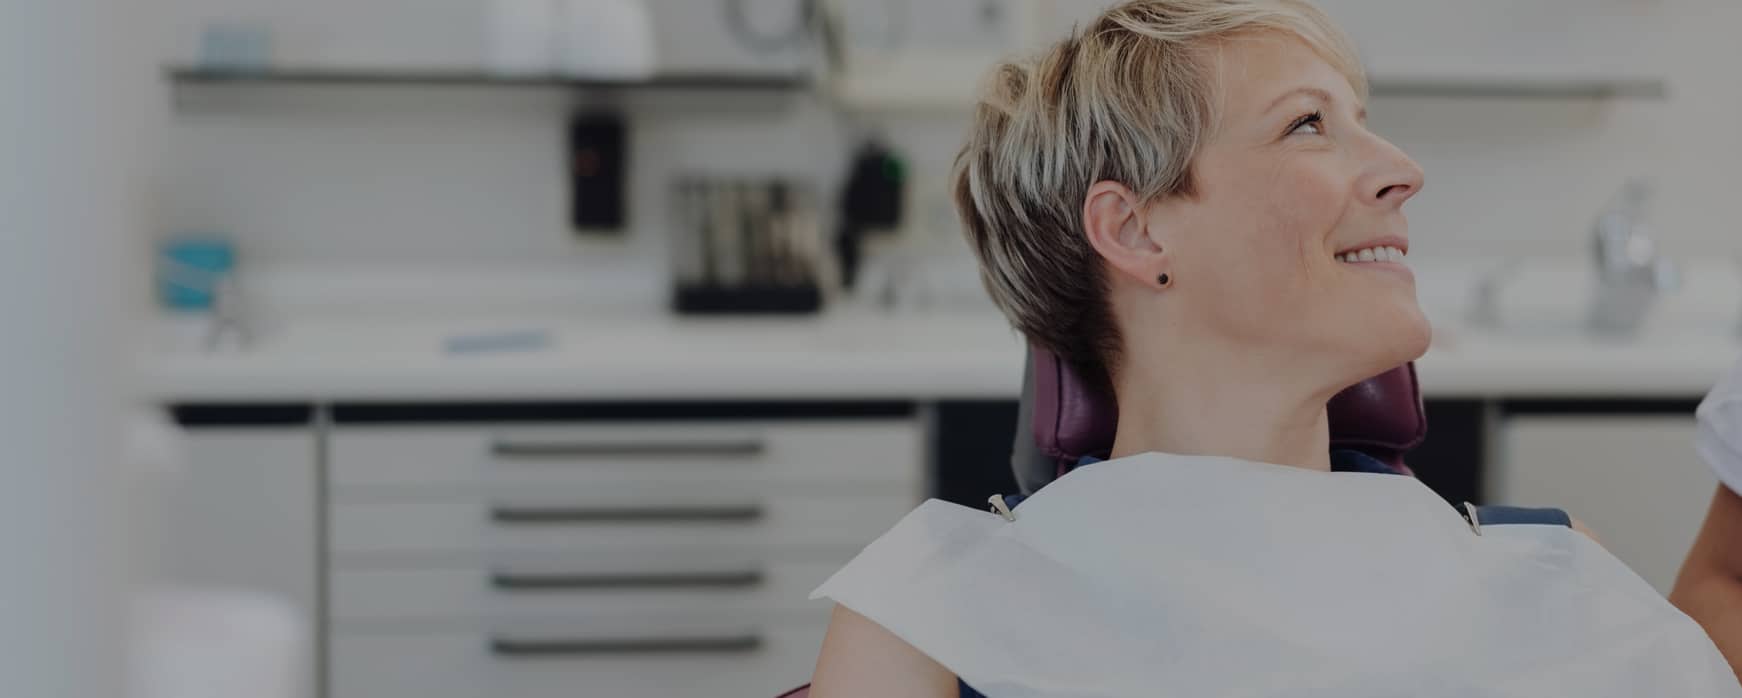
(861, 658)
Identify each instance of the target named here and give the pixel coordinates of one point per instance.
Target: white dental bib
(1166, 575)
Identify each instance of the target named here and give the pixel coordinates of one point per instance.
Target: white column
(77, 98)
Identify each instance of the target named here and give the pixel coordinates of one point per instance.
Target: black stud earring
(1164, 280)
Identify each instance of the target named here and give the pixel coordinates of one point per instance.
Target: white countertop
(845, 355)
(834, 357)
(378, 334)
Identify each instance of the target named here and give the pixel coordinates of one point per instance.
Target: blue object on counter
(493, 342)
(189, 269)
(236, 46)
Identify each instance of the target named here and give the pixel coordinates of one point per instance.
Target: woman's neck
(1211, 414)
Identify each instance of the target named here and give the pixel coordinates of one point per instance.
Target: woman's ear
(1115, 225)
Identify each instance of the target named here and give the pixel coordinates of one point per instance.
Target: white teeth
(1373, 254)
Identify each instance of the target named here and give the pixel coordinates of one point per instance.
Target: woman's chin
(1388, 338)
(1408, 337)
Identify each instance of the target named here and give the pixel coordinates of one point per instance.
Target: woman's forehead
(1253, 71)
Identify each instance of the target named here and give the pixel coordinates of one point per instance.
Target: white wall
(75, 112)
(464, 175)
(1520, 176)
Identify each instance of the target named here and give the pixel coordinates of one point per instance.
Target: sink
(1550, 300)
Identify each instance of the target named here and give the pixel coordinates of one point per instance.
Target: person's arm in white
(1709, 588)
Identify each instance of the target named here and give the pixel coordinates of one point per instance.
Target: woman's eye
(1313, 124)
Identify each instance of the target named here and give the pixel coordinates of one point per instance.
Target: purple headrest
(1381, 416)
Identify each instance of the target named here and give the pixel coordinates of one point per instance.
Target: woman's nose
(1395, 177)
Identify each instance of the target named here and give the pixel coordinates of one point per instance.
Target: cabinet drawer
(1635, 480)
(846, 453)
(728, 661)
(548, 588)
(364, 526)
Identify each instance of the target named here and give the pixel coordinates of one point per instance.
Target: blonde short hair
(1129, 98)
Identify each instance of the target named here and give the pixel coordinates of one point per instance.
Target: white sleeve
(1719, 439)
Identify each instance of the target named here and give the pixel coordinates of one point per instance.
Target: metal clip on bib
(1001, 508)
(1470, 514)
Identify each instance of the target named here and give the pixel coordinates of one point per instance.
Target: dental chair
(1068, 418)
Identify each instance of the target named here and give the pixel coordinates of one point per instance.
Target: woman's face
(1287, 188)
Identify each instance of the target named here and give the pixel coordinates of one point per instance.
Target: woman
(1183, 198)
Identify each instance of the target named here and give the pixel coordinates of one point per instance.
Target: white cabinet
(1635, 480)
(243, 517)
(1506, 38)
(665, 557)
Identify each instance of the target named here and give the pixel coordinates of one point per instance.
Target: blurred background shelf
(899, 89)
(1521, 87)
(934, 82)
(465, 78)
(892, 92)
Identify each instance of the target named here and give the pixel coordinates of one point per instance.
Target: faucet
(1631, 273)
(1485, 310)
(230, 329)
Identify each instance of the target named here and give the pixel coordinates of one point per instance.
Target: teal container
(189, 270)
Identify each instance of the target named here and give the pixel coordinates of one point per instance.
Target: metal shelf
(1519, 88)
(889, 93)
(362, 78)
(944, 81)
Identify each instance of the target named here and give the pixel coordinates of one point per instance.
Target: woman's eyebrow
(1314, 92)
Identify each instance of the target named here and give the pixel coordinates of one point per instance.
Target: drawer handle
(517, 581)
(526, 648)
(733, 448)
(579, 515)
